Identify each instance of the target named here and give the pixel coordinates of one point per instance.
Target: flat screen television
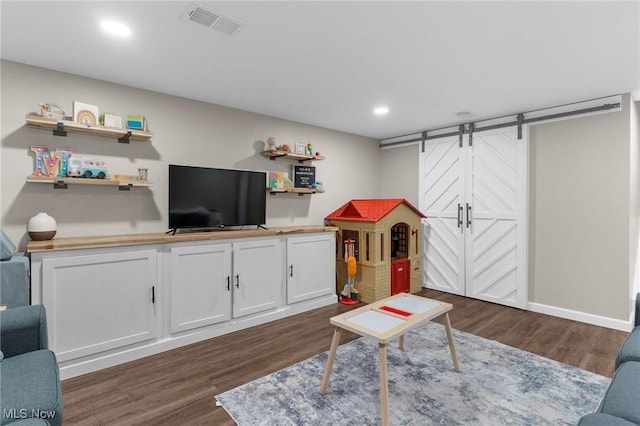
(201, 197)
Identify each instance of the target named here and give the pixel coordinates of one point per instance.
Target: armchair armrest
(14, 281)
(23, 329)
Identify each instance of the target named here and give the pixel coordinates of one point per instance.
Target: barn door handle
(291, 270)
(237, 280)
(228, 283)
(459, 215)
(468, 215)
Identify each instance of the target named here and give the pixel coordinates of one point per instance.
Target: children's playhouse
(386, 234)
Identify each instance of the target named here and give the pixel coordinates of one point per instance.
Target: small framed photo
(301, 148)
(85, 113)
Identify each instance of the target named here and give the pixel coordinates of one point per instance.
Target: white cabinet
(101, 301)
(200, 285)
(257, 276)
(310, 267)
(214, 282)
(122, 299)
(474, 193)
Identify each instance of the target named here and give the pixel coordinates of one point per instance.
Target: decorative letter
(48, 164)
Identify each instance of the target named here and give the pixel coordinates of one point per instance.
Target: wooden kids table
(383, 321)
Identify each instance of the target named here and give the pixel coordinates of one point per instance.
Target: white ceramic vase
(42, 227)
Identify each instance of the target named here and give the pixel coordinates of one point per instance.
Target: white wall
(185, 132)
(634, 233)
(399, 171)
(580, 182)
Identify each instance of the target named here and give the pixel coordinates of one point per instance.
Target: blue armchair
(14, 275)
(630, 350)
(29, 376)
(620, 405)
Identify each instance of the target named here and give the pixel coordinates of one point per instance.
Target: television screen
(201, 197)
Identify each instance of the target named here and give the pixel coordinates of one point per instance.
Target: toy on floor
(350, 292)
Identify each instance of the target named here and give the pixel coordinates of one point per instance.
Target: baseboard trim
(601, 321)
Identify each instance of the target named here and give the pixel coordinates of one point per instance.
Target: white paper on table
(376, 321)
(415, 305)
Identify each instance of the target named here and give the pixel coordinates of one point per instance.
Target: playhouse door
(400, 276)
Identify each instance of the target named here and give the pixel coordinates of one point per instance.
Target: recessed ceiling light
(116, 28)
(381, 110)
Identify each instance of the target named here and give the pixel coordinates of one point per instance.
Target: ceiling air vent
(210, 18)
(464, 114)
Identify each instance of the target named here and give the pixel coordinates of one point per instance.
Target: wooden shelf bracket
(125, 138)
(59, 130)
(60, 184)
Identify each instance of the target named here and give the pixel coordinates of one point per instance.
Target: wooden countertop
(161, 238)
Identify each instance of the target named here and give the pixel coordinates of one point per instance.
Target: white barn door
(442, 196)
(496, 246)
(475, 198)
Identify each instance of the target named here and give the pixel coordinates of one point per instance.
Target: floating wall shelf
(61, 183)
(301, 158)
(299, 191)
(61, 127)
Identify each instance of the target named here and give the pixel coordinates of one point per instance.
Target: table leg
(401, 342)
(452, 345)
(332, 356)
(384, 384)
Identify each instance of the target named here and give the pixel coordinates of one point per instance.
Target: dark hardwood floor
(178, 387)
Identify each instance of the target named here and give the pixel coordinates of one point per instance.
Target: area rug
(497, 385)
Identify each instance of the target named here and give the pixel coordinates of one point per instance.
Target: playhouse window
(366, 247)
(381, 247)
(399, 241)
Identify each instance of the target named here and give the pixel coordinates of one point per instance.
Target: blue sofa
(620, 405)
(14, 274)
(29, 376)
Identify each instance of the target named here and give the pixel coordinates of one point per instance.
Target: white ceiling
(330, 63)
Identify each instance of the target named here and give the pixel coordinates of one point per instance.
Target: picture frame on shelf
(137, 122)
(300, 148)
(276, 180)
(304, 176)
(86, 114)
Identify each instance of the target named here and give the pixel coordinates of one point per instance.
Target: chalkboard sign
(303, 176)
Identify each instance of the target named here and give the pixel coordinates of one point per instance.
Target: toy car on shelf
(87, 168)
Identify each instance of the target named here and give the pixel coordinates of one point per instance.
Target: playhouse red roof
(370, 210)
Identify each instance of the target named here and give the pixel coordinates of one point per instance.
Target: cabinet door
(257, 276)
(99, 302)
(310, 267)
(200, 286)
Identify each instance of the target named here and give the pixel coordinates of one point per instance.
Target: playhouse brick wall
(382, 283)
(416, 274)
